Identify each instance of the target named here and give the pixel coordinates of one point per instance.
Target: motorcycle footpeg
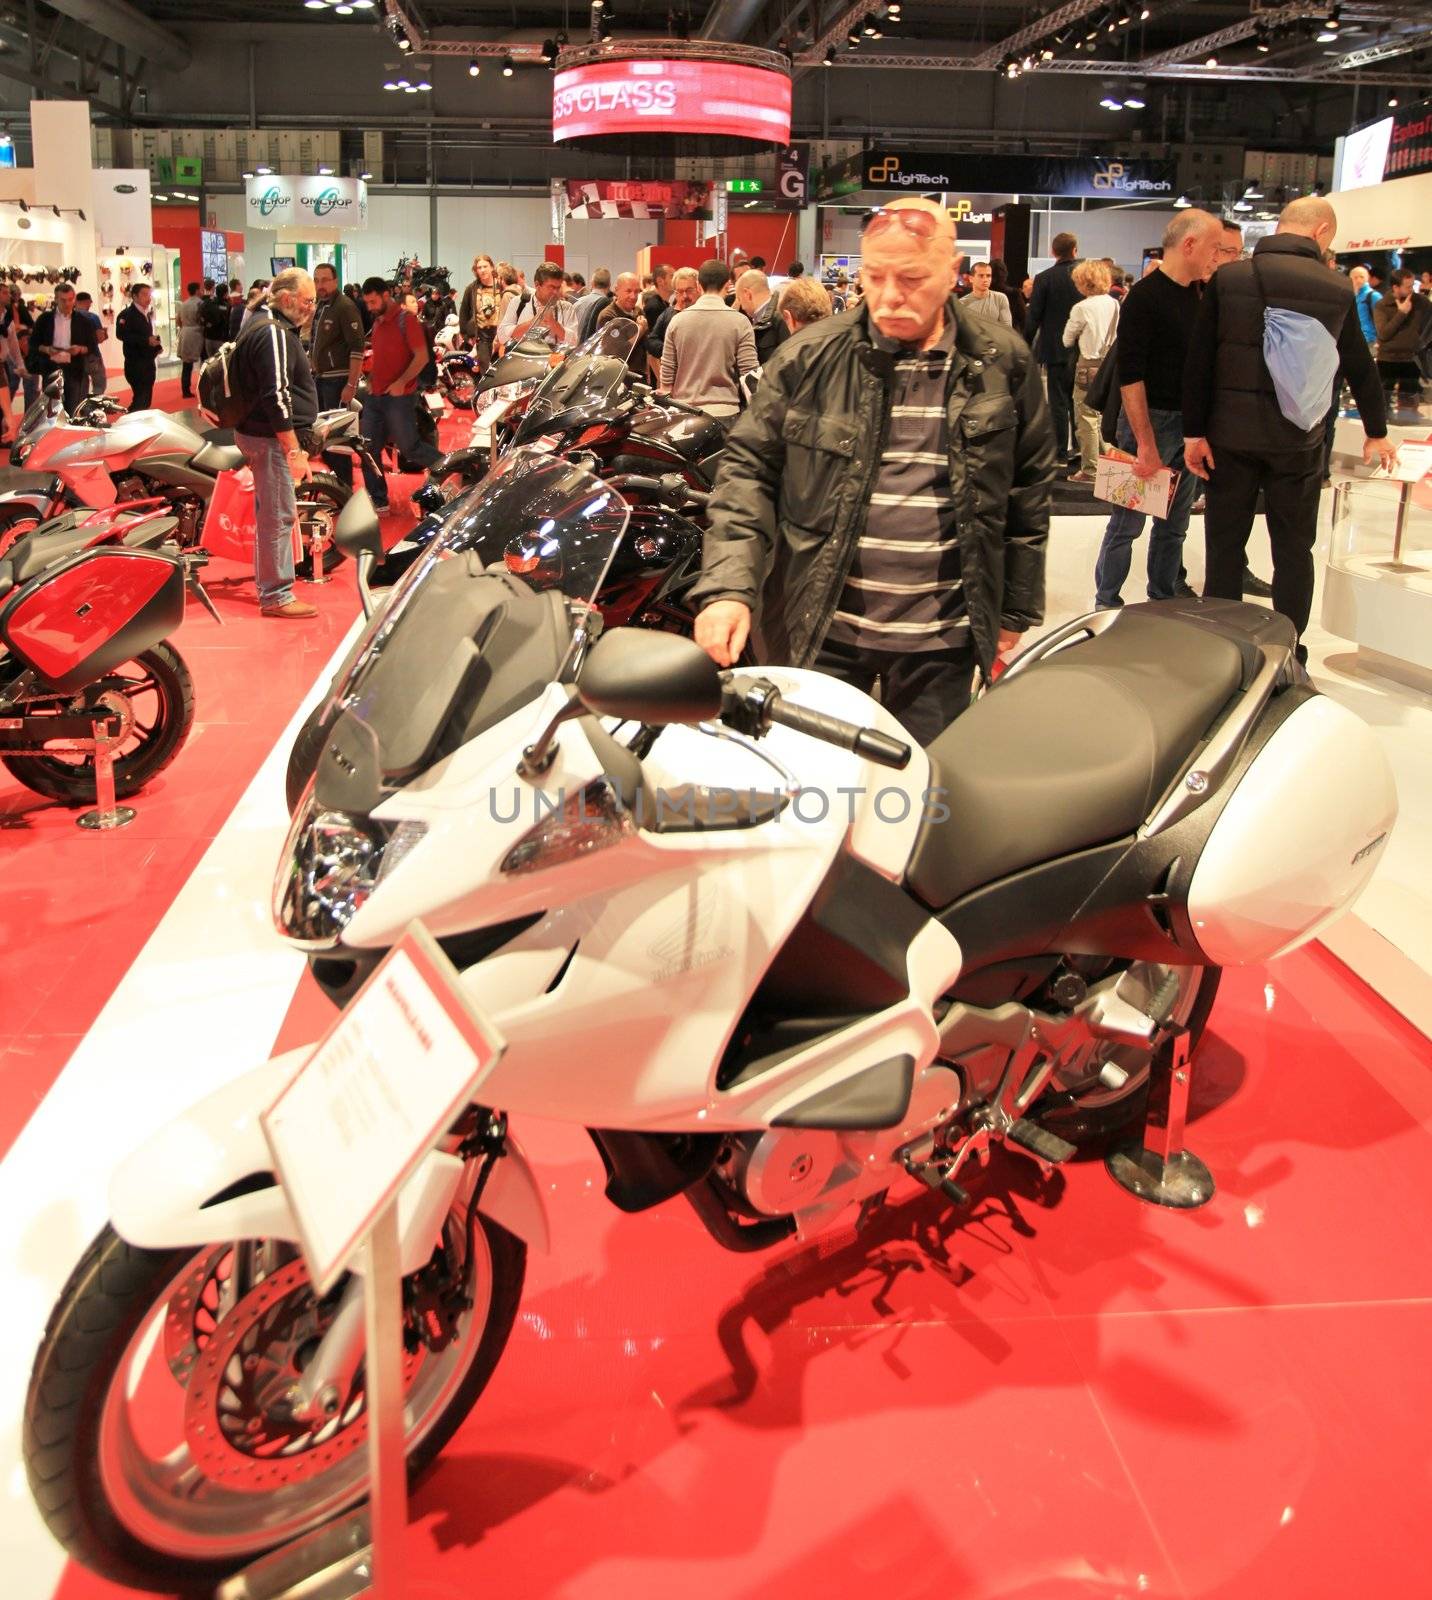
(932, 1175)
(1039, 1142)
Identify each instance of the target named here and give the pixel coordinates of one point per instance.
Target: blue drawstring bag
(1302, 360)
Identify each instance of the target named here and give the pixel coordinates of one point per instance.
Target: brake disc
(238, 1428)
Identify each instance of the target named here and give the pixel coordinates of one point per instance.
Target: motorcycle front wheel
(460, 386)
(153, 696)
(155, 1437)
(319, 502)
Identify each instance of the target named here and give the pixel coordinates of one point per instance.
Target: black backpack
(222, 389)
(214, 319)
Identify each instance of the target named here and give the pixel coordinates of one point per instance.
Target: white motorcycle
(770, 956)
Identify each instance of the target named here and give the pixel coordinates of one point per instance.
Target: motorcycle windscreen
(474, 632)
(585, 387)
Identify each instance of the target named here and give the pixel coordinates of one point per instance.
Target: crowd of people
(923, 573)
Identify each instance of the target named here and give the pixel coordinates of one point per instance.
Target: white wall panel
(508, 228)
(611, 244)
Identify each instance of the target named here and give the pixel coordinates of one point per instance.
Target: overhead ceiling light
(1253, 192)
(1333, 20)
(472, 68)
(1392, 102)
(364, 176)
(1327, 37)
(869, 30)
(1182, 203)
(1133, 103)
(245, 175)
(1145, 14)
(404, 42)
(424, 84)
(830, 57)
(1211, 62)
(852, 38)
(363, 5)
(507, 68)
(1241, 205)
(390, 85)
(1263, 44)
(1125, 19)
(263, 172)
(315, 5)
(405, 83)
(345, 10)
(1110, 104)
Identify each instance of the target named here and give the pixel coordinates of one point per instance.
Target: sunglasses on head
(919, 223)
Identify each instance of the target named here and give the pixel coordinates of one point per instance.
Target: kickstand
(1156, 1167)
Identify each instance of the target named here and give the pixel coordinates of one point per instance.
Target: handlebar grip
(868, 742)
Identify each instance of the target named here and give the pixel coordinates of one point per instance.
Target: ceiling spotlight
(1133, 103)
(1241, 205)
(1211, 62)
(1182, 203)
(875, 32)
(830, 57)
(1046, 54)
(390, 86)
(405, 83)
(508, 69)
(363, 5)
(325, 172)
(405, 43)
(1327, 36)
(1125, 19)
(472, 67)
(424, 85)
(852, 38)
(248, 175)
(549, 52)
(1145, 14)
(410, 88)
(344, 10)
(1392, 102)
(263, 172)
(869, 30)
(1110, 104)
(315, 5)
(1334, 20)
(1262, 43)
(364, 176)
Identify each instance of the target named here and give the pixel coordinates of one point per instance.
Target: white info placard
(382, 1086)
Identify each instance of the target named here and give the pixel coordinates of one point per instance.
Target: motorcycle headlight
(332, 863)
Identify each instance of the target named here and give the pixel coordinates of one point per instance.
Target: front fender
(207, 1178)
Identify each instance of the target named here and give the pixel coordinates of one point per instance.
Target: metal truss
(1044, 28)
(1385, 51)
(1211, 43)
(1184, 70)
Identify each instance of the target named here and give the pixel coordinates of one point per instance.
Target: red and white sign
(671, 97)
(597, 197)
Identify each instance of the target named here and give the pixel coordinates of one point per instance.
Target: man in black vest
(1235, 433)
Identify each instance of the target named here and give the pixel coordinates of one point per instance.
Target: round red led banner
(669, 98)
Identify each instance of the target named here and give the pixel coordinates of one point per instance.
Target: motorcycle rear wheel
(328, 490)
(105, 1376)
(460, 387)
(160, 730)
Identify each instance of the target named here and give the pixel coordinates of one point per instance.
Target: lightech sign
(283, 202)
(924, 172)
(671, 97)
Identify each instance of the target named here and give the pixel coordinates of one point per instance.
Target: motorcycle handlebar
(755, 700)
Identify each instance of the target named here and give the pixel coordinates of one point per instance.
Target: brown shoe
(294, 610)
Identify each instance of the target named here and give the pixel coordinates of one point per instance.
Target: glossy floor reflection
(1061, 1393)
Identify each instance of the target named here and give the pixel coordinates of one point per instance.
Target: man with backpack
(214, 317)
(1249, 429)
(541, 305)
(400, 353)
(272, 401)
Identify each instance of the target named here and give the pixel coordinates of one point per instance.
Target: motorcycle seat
(42, 549)
(1073, 753)
(216, 458)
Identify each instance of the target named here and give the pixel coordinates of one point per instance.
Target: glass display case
(1378, 588)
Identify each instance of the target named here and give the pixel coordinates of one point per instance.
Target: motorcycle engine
(187, 512)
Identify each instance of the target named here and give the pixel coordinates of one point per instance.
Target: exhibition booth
(499, 1100)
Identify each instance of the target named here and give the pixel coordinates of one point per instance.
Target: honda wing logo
(1115, 175)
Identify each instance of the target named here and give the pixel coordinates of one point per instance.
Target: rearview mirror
(641, 676)
(357, 528)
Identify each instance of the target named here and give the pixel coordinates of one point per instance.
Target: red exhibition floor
(1059, 1393)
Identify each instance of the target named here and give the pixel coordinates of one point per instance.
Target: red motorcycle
(93, 697)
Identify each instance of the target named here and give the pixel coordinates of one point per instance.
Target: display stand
(1156, 1167)
(356, 1121)
(107, 812)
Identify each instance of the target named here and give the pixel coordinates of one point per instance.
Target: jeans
(1166, 540)
(1401, 384)
(1061, 404)
(1291, 483)
(925, 689)
(393, 418)
(330, 398)
(98, 377)
(275, 512)
(186, 380)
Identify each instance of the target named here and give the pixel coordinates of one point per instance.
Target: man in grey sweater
(708, 348)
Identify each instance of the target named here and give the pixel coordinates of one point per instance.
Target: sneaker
(1184, 590)
(293, 610)
(1080, 477)
(1254, 585)
(1198, 507)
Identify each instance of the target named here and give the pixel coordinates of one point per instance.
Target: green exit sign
(744, 186)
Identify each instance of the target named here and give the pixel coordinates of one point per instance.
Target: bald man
(882, 509)
(625, 297)
(1235, 433)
